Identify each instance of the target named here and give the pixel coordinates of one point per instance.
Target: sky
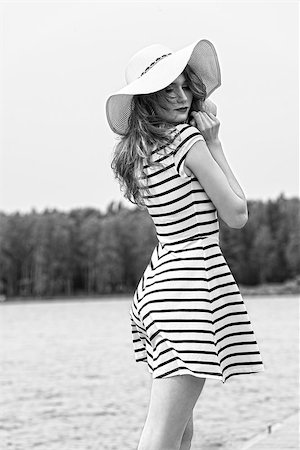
(59, 61)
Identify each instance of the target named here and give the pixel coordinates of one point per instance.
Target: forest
(89, 252)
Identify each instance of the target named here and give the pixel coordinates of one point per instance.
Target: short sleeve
(187, 137)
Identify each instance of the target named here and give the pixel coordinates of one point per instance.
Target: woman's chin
(181, 117)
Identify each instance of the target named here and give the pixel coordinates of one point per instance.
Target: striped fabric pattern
(187, 314)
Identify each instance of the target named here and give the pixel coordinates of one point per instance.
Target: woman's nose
(181, 95)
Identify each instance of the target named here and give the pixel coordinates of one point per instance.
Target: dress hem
(242, 371)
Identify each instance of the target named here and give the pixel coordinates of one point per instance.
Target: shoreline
(290, 288)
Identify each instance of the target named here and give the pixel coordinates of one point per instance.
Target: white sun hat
(155, 67)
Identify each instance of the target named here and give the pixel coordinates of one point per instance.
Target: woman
(189, 321)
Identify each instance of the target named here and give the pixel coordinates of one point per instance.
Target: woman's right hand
(207, 124)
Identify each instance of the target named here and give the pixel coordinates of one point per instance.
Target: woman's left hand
(206, 106)
(209, 107)
(207, 124)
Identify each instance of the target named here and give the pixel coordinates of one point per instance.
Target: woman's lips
(182, 109)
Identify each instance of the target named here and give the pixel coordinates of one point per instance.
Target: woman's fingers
(207, 124)
(203, 119)
(210, 106)
(212, 116)
(199, 119)
(210, 119)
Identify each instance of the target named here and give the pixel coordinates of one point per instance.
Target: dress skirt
(188, 316)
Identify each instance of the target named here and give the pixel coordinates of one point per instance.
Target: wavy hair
(146, 133)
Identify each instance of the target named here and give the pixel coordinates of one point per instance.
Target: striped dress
(187, 314)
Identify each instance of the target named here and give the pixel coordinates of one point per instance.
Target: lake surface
(69, 380)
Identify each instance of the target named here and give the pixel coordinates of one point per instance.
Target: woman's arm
(217, 152)
(208, 163)
(209, 125)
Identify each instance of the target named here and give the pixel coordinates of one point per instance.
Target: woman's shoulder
(185, 130)
(183, 134)
(186, 133)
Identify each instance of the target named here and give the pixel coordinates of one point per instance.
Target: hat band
(153, 64)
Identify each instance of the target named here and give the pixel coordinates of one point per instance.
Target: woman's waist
(189, 242)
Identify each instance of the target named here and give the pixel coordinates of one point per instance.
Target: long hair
(146, 133)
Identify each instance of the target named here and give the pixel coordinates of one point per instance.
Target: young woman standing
(189, 321)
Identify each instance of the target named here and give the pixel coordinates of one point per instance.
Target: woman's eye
(186, 87)
(169, 90)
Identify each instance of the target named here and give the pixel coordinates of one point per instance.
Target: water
(70, 382)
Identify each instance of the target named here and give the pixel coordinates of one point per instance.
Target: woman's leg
(186, 440)
(171, 405)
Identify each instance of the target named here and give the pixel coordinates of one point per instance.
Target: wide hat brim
(201, 56)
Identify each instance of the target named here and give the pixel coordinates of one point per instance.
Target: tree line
(89, 252)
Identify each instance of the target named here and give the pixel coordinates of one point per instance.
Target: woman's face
(176, 102)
